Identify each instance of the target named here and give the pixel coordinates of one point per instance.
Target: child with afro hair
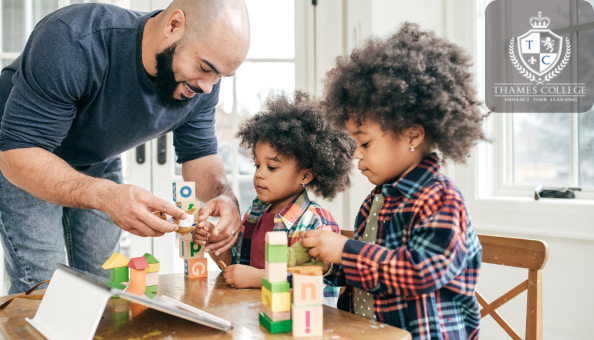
(295, 151)
(415, 257)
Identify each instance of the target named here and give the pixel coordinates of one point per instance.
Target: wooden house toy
(117, 264)
(138, 266)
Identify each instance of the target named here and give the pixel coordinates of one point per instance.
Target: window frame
(497, 208)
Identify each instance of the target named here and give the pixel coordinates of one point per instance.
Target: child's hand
(202, 235)
(242, 276)
(325, 245)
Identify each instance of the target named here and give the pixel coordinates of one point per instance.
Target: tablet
(84, 295)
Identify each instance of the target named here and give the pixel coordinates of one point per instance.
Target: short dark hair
(296, 128)
(411, 78)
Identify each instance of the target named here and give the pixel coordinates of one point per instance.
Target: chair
(347, 232)
(520, 253)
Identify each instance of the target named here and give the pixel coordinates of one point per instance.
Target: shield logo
(540, 50)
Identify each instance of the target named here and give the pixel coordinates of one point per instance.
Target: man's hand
(227, 229)
(131, 208)
(325, 245)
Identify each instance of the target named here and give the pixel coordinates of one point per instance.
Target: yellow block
(116, 260)
(153, 267)
(278, 302)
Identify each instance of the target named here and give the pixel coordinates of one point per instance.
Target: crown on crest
(540, 21)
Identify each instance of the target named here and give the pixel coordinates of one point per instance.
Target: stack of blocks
(195, 264)
(276, 291)
(142, 273)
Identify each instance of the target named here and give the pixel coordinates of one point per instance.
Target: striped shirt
(300, 215)
(423, 268)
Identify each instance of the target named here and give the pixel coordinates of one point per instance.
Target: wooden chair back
(519, 253)
(347, 233)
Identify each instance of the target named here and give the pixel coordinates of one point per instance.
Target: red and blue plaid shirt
(423, 268)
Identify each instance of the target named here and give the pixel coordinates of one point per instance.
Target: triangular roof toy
(138, 263)
(116, 260)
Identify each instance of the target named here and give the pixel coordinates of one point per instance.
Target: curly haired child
(415, 257)
(295, 150)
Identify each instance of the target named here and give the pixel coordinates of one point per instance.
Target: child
(415, 257)
(294, 149)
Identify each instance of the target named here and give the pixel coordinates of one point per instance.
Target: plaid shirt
(423, 268)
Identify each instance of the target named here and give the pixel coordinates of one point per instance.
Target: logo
(540, 52)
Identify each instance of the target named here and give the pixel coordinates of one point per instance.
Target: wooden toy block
(308, 290)
(115, 284)
(275, 253)
(115, 260)
(151, 291)
(278, 302)
(307, 270)
(137, 282)
(189, 250)
(152, 279)
(276, 286)
(154, 265)
(276, 238)
(196, 268)
(276, 316)
(275, 327)
(308, 321)
(119, 274)
(184, 191)
(189, 205)
(137, 267)
(275, 271)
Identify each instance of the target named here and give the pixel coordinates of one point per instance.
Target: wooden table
(125, 320)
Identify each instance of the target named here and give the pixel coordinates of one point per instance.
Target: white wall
(566, 228)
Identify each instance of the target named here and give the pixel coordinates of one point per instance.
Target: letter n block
(308, 289)
(196, 268)
(184, 191)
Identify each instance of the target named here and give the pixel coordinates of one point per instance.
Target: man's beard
(166, 83)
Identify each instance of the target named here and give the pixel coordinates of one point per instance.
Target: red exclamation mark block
(307, 330)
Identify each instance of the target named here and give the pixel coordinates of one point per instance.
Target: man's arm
(48, 177)
(213, 188)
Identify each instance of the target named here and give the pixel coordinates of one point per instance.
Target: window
(548, 149)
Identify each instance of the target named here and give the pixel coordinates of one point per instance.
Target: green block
(116, 285)
(119, 274)
(150, 294)
(150, 259)
(275, 253)
(275, 326)
(276, 287)
(152, 289)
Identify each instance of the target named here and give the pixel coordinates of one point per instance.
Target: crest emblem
(540, 51)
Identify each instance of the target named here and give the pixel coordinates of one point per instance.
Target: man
(93, 81)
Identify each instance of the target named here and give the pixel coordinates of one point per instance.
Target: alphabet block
(276, 238)
(307, 290)
(196, 268)
(308, 321)
(152, 279)
(184, 191)
(188, 249)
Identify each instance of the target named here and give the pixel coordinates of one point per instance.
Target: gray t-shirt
(80, 90)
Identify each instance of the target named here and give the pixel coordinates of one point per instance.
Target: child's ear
(416, 135)
(307, 176)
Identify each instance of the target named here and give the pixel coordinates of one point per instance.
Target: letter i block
(196, 268)
(308, 321)
(308, 289)
(184, 191)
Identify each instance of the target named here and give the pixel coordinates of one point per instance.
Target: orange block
(196, 268)
(137, 281)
